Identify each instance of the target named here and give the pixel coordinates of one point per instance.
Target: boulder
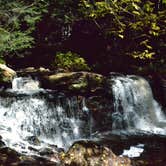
(81, 82)
(88, 153)
(36, 72)
(6, 75)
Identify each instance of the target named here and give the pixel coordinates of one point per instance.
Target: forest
(102, 36)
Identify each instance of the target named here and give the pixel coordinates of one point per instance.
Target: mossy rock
(6, 75)
(80, 82)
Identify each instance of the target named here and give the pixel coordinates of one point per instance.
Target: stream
(32, 118)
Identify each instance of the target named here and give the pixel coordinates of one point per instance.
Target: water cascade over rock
(25, 84)
(135, 107)
(46, 116)
(33, 119)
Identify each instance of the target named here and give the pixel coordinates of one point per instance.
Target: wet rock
(9, 157)
(99, 104)
(33, 149)
(163, 85)
(2, 144)
(55, 148)
(33, 140)
(87, 153)
(33, 71)
(80, 82)
(158, 85)
(153, 154)
(46, 151)
(101, 110)
(6, 75)
(50, 154)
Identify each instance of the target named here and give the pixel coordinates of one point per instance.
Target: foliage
(136, 23)
(17, 22)
(2, 61)
(134, 29)
(70, 61)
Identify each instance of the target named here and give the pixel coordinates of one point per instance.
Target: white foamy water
(134, 151)
(135, 107)
(61, 121)
(52, 120)
(55, 123)
(25, 84)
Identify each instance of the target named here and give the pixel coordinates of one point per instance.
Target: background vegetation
(110, 35)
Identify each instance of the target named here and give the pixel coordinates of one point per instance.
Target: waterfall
(25, 84)
(52, 118)
(56, 119)
(135, 107)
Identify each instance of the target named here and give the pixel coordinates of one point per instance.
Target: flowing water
(27, 112)
(135, 107)
(52, 118)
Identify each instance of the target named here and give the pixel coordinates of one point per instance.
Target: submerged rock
(88, 153)
(6, 75)
(80, 82)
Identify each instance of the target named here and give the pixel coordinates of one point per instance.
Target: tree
(17, 23)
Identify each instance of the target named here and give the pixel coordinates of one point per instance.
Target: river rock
(9, 157)
(33, 140)
(79, 82)
(50, 154)
(6, 75)
(88, 153)
(36, 72)
(46, 152)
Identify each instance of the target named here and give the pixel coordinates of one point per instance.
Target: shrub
(70, 61)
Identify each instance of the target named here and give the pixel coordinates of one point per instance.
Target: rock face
(158, 85)
(6, 75)
(81, 82)
(101, 110)
(87, 153)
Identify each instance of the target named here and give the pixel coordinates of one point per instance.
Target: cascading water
(135, 107)
(28, 112)
(51, 118)
(25, 84)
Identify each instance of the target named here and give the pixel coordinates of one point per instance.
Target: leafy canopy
(136, 27)
(137, 23)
